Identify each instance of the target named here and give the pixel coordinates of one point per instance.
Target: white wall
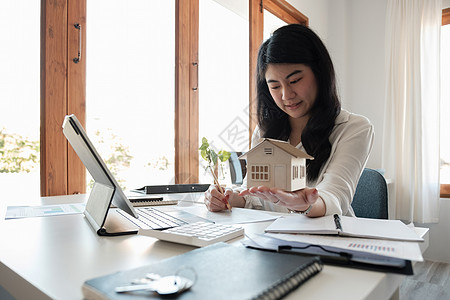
(354, 33)
(445, 4)
(439, 235)
(328, 19)
(365, 66)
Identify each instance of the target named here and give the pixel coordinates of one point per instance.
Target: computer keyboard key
(152, 218)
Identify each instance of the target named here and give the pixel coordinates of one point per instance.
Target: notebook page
(377, 228)
(297, 223)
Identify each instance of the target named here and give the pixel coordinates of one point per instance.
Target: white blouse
(351, 143)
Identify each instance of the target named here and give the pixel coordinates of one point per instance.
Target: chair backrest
(238, 168)
(371, 196)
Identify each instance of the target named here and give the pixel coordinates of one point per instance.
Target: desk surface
(51, 257)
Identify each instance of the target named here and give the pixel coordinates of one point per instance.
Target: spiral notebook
(223, 272)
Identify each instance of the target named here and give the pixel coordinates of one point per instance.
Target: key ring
(183, 269)
(167, 285)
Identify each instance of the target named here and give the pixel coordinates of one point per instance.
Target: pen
(216, 181)
(337, 221)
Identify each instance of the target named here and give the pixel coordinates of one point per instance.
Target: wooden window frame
(186, 91)
(445, 188)
(63, 86)
(62, 91)
(446, 16)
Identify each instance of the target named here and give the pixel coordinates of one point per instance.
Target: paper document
(345, 226)
(236, 216)
(16, 212)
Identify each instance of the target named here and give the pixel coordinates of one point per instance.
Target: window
(271, 23)
(19, 94)
(260, 172)
(223, 76)
(63, 91)
(295, 173)
(445, 104)
(130, 90)
(268, 150)
(66, 89)
(298, 172)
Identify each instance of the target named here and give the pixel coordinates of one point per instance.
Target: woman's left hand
(299, 200)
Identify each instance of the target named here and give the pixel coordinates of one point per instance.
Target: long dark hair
(297, 44)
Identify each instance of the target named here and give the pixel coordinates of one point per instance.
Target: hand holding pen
(215, 197)
(221, 190)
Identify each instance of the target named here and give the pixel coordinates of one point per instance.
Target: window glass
(223, 77)
(19, 94)
(130, 94)
(271, 23)
(445, 104)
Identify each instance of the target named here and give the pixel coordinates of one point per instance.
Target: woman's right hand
(216, 201)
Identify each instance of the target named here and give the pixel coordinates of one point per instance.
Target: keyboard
(197, 234)
(152, 218)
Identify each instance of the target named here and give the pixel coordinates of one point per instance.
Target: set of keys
(166, 285)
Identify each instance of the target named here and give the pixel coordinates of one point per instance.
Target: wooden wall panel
(186, 94)
(53, 97)
(76, 89)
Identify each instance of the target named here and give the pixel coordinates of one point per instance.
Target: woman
(297, 102)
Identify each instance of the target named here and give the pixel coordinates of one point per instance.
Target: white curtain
(411, 127)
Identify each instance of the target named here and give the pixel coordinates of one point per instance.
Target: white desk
(51, 257)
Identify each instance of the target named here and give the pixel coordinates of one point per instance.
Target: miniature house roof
(285, 146)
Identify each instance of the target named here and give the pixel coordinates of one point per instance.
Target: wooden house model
(275, 163)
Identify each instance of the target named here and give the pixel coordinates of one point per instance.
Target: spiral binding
(289, 283)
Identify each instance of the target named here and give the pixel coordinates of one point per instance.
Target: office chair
(371, 196)
(238, 168)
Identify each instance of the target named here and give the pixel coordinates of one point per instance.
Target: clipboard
(333, 256)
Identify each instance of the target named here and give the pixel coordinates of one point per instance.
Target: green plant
(18, 154)
(210, 156)
(161, 163)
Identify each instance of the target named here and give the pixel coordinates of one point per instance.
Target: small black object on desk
(173, 188)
